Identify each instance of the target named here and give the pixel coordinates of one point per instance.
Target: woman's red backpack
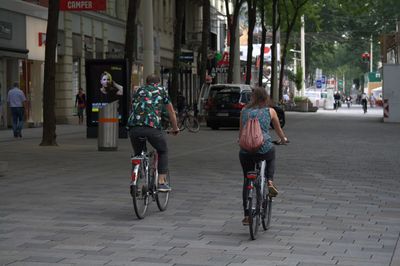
(251, 138)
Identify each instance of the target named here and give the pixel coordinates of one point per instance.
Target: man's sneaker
(163, 187)
(246, 220)
(272, 190)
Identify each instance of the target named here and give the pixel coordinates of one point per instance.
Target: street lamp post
(303, 55)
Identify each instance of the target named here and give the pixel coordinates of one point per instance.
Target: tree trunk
(232, 24)
(263, 36)
(204, 41)
(274, 60)
(130, 44)
(49, 83)
(290, 22)
(130, 33)
(178, 27)
(252, 12)
(284, 53)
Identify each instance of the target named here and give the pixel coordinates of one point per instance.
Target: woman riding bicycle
(259, 106)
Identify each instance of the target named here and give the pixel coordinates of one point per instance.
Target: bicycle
(144, 182)
(187, 119)
(259, 201)
(337, 105)
(364, 104)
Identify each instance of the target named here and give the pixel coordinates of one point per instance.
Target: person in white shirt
(16, 99)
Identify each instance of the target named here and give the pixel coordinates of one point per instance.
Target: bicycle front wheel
(181, 122)
(140, 194)
(192, 124)
(254, 213)
(163, 197)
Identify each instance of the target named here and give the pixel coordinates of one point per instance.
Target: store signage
(42, 39)
(5, 30)
(82, 5)
(186, 57)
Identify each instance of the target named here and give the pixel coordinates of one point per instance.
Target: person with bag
(255, 140)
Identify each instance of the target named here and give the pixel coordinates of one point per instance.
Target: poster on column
(106, 81)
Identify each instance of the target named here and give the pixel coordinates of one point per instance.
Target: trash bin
(108, 127)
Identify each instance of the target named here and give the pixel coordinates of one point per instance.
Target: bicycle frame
(257, 178)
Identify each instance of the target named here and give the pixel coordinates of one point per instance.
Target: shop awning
(13, 52)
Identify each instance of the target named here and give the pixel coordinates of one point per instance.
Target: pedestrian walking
(17, 100)
(80, 104)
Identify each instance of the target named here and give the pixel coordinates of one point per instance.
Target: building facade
(86, 35)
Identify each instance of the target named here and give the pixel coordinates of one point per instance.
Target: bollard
(108, 127)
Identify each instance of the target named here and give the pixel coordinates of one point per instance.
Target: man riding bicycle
(145, 121)
(337, 99)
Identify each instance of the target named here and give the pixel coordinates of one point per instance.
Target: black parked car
(225, 102)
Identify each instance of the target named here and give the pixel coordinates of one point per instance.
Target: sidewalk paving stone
(72, 202)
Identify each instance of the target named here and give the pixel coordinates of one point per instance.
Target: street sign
(186, 57)
(323, 79)
(318, 84)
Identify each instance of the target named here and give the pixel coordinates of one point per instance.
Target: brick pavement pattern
(339, 201)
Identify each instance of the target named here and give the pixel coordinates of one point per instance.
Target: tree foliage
(342, 30)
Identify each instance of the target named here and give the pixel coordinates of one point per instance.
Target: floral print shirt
(147, 106)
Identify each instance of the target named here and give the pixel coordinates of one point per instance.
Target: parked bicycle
(259, 202)
(187, 119)
(144, 182)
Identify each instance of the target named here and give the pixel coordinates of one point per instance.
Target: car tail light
(238, 106)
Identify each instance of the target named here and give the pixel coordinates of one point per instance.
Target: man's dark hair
(152, 78)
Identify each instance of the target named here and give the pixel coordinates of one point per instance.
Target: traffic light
(365, 57)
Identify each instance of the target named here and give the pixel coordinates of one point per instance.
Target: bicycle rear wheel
(266, 215)
(192, 124)
(254, 213)
(140, 193)
(162, 197)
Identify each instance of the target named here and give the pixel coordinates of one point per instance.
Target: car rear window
(245, 97)
(223, 89)
(225, 97)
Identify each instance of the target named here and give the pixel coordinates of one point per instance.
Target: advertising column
(106, 82)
